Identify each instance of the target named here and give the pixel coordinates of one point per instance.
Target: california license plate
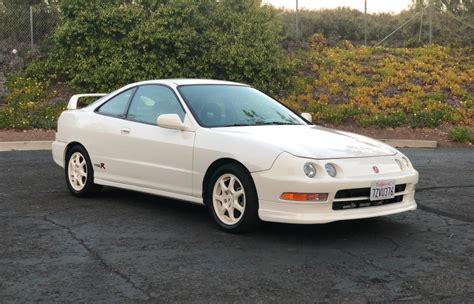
(381, 190)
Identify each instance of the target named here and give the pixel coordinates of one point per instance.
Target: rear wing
(72, 104)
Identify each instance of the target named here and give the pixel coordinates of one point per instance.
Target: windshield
(232, 105)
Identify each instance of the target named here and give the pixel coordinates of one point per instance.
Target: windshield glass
(232, 105)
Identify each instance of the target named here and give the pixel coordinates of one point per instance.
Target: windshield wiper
(274, 123)
(258, 123)
(233, 125)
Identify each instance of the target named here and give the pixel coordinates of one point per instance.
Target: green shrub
(427, 119)
(339, 115)
(42, 70)
(365, 120)
(27, 105)
(439, 96)
(391, 120)
(101, 45)
(24, 90)
(460, 134)
(38, 116)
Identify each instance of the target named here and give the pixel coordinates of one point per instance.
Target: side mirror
(307, 116)
(170, 121)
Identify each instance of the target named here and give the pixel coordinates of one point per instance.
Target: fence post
(365, 22)
(31, 27)
(430, 16)
(421, 28)
(297, 23)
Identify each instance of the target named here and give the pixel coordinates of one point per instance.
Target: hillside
(386, 87)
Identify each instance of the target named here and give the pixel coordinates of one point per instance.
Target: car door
(105, 137)
(155, 157)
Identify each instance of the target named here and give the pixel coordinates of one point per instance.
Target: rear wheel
(80, 173)
(232, 199)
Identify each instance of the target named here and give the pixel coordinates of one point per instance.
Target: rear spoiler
(72, 104)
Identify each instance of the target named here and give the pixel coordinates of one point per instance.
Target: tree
(461, 8)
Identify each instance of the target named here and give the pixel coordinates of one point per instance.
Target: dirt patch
(26, 135)
(439, 134)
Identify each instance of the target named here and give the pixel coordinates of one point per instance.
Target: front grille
(363, 192)
(365, 203)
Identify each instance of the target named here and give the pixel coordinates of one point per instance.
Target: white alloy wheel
(228, 199)
(77, 170)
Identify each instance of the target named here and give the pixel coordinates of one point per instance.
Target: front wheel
(232, 199)
(80, 173)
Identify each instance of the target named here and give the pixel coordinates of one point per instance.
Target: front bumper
(281, 178)
(317, 214)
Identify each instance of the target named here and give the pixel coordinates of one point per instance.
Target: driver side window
(117, 105)
(151, 101)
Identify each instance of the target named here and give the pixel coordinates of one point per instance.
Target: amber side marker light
(304, 197)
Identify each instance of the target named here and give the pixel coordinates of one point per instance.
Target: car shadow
(196, 217)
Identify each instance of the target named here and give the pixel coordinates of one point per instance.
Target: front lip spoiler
(269, 214)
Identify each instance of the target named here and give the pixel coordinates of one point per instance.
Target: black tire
(88, 188)
(249, 220)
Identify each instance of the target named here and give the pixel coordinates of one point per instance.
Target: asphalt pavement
(124, 246)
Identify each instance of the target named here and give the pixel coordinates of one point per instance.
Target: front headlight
(330, 169)
(310, 170)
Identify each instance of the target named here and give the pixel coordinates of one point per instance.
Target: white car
(228, 146)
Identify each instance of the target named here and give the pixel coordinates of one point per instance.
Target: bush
(391, 120)
(102, 45)
(24, 90)
(427, 119)
(460, 134)
(27, 105)
(38, 116)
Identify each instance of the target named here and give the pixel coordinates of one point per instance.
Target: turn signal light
(303, 197)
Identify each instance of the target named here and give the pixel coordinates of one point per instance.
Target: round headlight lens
(331, 170)
(310, 170)
(406, 162)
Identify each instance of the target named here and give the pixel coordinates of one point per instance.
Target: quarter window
(151, 101)
(117, 106)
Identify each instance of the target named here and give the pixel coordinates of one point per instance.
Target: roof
(187, 81)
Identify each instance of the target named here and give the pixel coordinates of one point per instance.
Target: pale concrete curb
(25, 145)
(410, 143)
(46, 145)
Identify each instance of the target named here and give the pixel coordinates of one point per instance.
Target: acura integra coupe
(226, 145)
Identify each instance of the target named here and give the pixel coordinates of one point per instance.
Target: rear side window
(117, 106)
(151, 101)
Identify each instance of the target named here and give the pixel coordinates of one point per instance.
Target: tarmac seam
(391, 240)
(414, 284)
(442, 213)
(443, 187)
(370, 263)
(445, 214)
(390, 272)
(97, 257)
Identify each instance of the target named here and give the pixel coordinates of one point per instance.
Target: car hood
(313, 141)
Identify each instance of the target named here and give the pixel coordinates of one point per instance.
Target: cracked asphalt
(123, 246)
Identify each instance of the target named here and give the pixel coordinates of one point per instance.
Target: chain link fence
(24, 35)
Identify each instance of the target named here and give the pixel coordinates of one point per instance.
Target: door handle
(125, 131)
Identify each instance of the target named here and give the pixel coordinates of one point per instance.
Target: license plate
(381, 190)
